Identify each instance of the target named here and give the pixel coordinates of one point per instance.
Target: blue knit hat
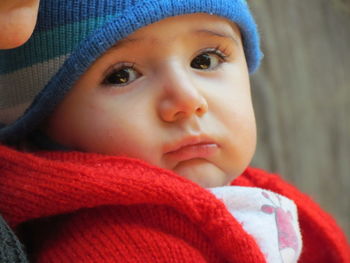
(71, 34)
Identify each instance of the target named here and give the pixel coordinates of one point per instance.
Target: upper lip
(188, 141)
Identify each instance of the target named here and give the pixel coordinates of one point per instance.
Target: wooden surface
(302, 98)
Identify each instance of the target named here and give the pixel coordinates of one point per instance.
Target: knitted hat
(71, 34)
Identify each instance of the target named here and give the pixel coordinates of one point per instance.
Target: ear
(268, 209)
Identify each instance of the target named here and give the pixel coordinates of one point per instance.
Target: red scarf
(95, 208)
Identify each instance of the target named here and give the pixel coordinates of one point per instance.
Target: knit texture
(95, 208)
(11, 250)
(72, 34)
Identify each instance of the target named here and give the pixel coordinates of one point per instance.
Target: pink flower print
(287, 236)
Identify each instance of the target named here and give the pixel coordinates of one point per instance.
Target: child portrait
(128, 133)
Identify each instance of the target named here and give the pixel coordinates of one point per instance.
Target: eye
(207, 60)
(121, 77)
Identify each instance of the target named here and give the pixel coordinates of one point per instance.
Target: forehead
(170, 29)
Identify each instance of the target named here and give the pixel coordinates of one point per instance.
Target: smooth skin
(183, 79)
(17, 21)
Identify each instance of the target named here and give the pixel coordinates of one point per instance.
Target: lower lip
(194, 151)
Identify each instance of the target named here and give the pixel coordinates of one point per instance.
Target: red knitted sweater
(86, 207)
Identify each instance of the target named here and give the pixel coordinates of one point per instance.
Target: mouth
(192, 148)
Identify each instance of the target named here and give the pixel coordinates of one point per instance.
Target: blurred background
(302, 98)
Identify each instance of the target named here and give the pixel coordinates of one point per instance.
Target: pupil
(119, 77)
(201, 62)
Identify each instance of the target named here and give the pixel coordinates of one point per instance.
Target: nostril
(199, 111)
(202, 108)
(179, 115)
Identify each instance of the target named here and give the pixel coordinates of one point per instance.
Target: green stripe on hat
(46, 45)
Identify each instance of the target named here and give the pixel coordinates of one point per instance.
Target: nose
(181, 96)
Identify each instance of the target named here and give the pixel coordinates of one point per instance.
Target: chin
(206, 182)
(203, 173)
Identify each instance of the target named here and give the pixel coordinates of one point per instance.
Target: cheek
(241, 130)
(240, 119)
(104, 130)
(233, 109)
(240, 142)
(231, 100)
(121, 130)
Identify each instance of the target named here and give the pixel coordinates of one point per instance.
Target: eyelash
(219, 51)
(117, 68)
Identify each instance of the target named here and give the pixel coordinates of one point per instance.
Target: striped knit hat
(72, 34)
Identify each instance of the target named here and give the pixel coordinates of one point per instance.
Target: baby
(143, 113)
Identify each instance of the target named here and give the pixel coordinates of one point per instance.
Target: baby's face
(175, 94)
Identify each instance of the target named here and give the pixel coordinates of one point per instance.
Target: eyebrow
(233, 37)
(128, 40)
(125, 41)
